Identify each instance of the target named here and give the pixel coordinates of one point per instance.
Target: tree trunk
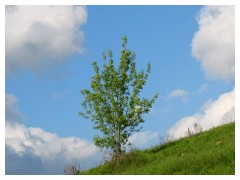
(119, 144)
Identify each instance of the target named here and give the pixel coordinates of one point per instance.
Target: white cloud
(12, 112)
(213, 113)
(143, 139)
(49, 150)
(178, 93)
(46, 145)
(214, 43)
(202, 89)
(37, 36)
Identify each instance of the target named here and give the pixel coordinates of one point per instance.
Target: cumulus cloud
(213, 113)
(143, 139)
(37, 36)
(25, 144)
(48, 148)
(213, 45)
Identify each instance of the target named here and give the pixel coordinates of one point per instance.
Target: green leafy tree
(114, 104)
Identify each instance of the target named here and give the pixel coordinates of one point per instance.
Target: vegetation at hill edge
(209, 152)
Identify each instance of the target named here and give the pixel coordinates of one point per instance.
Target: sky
(48, 60)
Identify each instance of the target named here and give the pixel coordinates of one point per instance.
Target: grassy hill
(210, 152)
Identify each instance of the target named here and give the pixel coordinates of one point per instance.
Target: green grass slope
(210, 152)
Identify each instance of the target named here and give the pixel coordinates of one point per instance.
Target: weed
(71, 169)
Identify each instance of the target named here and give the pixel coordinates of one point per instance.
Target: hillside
(210, 152)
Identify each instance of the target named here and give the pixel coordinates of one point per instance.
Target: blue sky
(49, 61)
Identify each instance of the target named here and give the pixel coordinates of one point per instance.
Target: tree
(114, 104)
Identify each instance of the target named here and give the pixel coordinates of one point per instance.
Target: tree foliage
(114, 104)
